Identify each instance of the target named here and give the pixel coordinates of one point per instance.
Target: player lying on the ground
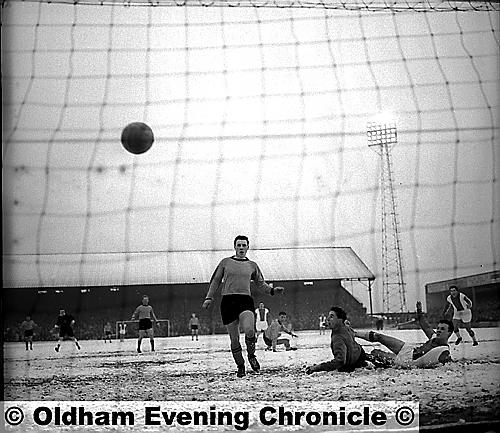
(433, 352)
(347, 353)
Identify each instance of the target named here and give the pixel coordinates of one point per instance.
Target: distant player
(122, 330)
(276, 329)
(27, 328)
(194, 325)
(108, 332)
(145, 313)
(462, 312)
(261, 320)
(380, 323)
(65, 324)
(322, 324)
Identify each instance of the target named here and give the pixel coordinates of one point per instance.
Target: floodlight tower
(382, 136)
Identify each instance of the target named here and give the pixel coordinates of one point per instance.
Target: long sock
(152, 345)
(238, 355)
(250, 343)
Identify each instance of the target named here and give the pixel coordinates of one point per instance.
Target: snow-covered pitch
(180, 369)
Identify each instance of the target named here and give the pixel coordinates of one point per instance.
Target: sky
(260, 118)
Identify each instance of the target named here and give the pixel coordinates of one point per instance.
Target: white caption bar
(129, 416)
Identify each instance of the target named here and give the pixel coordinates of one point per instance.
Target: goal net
(130, 328)
(259, 110)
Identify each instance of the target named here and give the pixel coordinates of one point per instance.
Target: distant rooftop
(177, 267)
(476, 280)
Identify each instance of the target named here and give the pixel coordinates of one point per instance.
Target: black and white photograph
(251, 215)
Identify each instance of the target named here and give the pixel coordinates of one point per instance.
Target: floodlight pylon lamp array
(381, 133)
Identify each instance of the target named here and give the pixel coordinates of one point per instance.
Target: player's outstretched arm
(153, 315)
(261, 284)
(339, 350)
(135, 313)
(423, 322)
(324, 366)
(215, 281)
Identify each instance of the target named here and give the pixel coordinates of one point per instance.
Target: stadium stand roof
(476, 280)
(177, 267)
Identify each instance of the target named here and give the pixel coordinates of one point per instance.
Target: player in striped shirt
(237, 307)
(261, 319)
(462, 312)
(145, 313)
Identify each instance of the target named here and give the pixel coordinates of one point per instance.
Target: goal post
(130, 328)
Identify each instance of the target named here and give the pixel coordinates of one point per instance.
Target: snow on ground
(184, 370)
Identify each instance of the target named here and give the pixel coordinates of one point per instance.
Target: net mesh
(259, 114)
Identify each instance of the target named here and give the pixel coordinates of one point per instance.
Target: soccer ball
(137, 137)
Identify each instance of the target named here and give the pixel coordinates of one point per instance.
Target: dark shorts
(232, 306)
(194, 327)
(66, 331)
(145, 324)
(28, 333)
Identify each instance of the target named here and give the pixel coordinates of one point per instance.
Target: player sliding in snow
(347, 353)
(433, 352)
